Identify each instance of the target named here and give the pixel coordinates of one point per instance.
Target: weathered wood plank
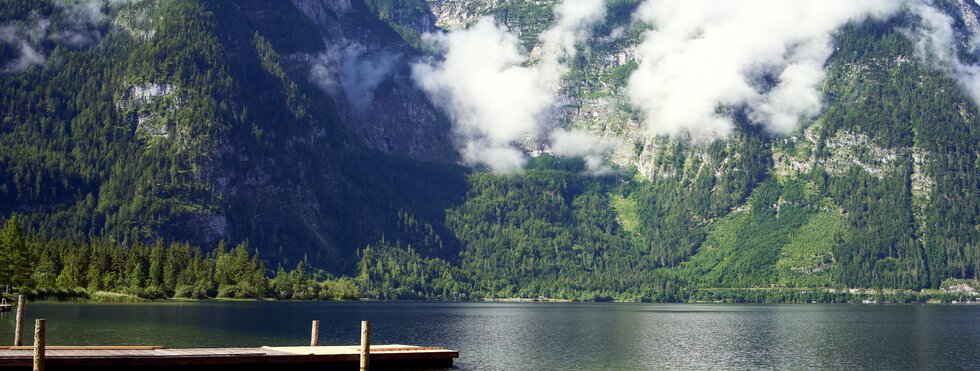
(92, 347)
(234, 359)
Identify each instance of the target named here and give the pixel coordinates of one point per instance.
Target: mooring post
(39, 345)
(19, 329)
(365, 344)
(315, 333)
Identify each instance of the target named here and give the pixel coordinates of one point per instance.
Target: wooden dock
(382, 357)
(41, 356)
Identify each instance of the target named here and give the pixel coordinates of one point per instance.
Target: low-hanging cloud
(79, 26)
(588, 145)
(355, 72)
(490, 96)
(937, 42)
(83, 22)
(26, 37)
(704, 57)
(485, 84)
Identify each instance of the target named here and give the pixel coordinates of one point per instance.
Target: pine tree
(73, 263)
(16, 267)
(157, 256)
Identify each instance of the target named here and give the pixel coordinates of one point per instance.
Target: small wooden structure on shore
(40, 356)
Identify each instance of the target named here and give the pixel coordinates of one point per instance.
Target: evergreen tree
(74, 266)
(16, 267)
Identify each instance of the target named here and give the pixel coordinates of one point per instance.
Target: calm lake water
(555, 336)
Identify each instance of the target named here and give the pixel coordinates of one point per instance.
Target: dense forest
(106, 271)
(180, 149)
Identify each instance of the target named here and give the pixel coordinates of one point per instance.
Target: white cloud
(491, 97)
(354, 72)
(361, 74)
(84, 19)
(703, 56)
(80, 28)
(26, 36)
(27, 58)
(575, 21)
(323, 72)
(936, 41)
(485, 85)
(579, 142)
(591, 147)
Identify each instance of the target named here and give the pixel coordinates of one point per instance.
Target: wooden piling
(315, 333)
(365, 344)
(19, 329)
(39, 344)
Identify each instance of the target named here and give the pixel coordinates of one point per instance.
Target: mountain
(303, 128)
(183, 122)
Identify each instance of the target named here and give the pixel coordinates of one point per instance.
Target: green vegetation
(804, 261)
(190, 121)
(230, 143)
(407, 18)
(103, 271)
(626, 212)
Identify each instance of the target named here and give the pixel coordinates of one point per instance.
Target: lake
(516, 336)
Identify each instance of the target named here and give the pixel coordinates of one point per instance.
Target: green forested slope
(879, 192)
(231, 143)
(230, 147)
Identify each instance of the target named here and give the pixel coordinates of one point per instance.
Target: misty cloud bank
(589, 146)
(492, 98)
(489, 88)
(78, 26)
(937, 42)
(27, 37)
(703, 57)
(354, 72)
(701, 61)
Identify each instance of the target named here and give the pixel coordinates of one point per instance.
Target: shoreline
(929, 299)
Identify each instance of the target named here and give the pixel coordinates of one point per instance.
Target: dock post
(39, 344)
(19, 329)
(315, 333)
(365, 344)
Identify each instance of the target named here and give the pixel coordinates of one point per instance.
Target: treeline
(83, 154)
(906, 234)
(392, 272)
(555, 232)
(160, 270)
(548, 232)
(803, 296)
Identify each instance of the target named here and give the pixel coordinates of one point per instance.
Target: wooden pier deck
(394, 356)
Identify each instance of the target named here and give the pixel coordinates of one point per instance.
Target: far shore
(858, 298)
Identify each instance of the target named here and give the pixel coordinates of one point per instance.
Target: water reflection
(556, 336)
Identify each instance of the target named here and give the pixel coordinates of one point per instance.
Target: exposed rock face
(961, 289)
(325, 13)
(208, 227)
(136, 22)
(399, 117)
(146, 93)
(849, 149)
(970, 11)
(456, 14)
(147, 105)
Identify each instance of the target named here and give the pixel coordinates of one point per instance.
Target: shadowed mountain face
(211, 120)
(303, 127)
